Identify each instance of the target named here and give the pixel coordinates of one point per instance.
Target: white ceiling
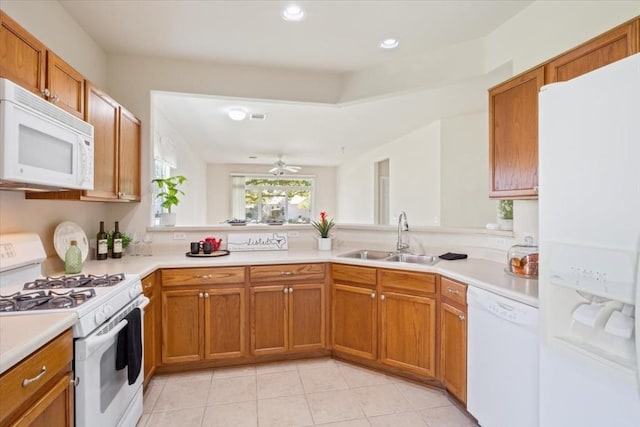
(336, 36)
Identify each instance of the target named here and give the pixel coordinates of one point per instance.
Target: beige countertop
(21, 335)
(488, 275)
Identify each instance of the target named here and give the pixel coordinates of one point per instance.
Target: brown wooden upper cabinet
(116, 169)
(513, 109)
(513, 136)
(27, 62)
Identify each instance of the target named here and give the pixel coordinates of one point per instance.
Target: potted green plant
(169, 193)
(505, 214)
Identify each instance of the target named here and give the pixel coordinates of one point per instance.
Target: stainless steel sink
(413, 259)
(367, 254)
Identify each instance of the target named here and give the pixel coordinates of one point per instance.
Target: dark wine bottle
(101, 243)
(117, 242)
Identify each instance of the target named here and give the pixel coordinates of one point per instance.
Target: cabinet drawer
(348, 273)
(202, 276)
(453, 291)
(286, 272)
(49, 361)
(405, 280)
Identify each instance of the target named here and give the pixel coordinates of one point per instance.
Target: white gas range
(105, 395)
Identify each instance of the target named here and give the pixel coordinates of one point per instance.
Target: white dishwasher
(502, 361)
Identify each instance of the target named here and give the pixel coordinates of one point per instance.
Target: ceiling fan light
(237, 114)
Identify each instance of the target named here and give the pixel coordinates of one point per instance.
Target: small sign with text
(258, 242)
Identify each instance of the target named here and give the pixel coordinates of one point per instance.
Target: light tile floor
(311, 392)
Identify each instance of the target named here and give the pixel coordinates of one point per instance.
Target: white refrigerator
(589, 201)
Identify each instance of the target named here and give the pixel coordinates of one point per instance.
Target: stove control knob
(134, 291)
(100, 317)
(108, 310)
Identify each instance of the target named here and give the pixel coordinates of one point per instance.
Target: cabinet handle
(148, 286)
(461, 317)
(28, 381)
(373, 295)
(74, 382)
(535, 189)
(206, 294)
(290, 290)
(286, 273)
(54, 98)
(203, 276)
(285, 290)
(200, 295)
(45, 93)
(453, 291)
(382, 297)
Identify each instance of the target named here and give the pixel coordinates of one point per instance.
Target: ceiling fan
(281, 168)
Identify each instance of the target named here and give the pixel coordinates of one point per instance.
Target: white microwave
(43, 147)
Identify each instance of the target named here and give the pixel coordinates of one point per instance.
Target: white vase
(324, 243)
(505, 224)
(168, 219)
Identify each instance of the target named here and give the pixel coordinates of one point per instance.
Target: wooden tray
(221, 252)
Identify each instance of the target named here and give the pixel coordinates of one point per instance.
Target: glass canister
(522, 260)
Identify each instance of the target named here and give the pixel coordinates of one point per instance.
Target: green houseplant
(505, 214)
(169, 193)
(323, 227)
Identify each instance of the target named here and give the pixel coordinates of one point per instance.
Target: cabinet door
(129, 157)
(65, 85)
(149, 333)
(598, 52)
(453, 350)
(103, 113)
(22, 56)
(513, 136)
(224, 323)
(307, 317)
(181, 326)
(54, 408)
(269, 319)
(353, 320)
(408, 332)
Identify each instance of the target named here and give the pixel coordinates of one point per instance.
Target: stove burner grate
(38, 300)
(76, 281)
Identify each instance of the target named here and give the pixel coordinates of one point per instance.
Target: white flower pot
(324, 243)
(505, 224)
(168, 219)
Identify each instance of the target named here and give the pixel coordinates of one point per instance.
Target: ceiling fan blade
(274, 169)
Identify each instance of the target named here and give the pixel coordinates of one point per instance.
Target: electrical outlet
(179, 236)
(501, 243)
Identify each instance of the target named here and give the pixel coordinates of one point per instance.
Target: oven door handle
(91, 344)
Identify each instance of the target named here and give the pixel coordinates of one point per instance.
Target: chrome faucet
(403, 225)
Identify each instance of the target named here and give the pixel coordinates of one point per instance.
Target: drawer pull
(203, 276)
(461, 317)
(74, 382)
(286, 273)
(453, 291)
(28, 381)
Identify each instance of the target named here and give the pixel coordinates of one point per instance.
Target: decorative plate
(63, 235)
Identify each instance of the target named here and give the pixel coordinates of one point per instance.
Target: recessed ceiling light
(237, 114)
(293, 13)
(389, 44)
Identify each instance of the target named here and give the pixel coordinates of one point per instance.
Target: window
(269, 199)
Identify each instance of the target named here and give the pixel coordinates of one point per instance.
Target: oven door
(104, 397)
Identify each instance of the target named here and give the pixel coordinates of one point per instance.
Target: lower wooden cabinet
(47, 400)
(206, 323)
(453, 338)
(354, 323)
(151, 329)
(289, 317)
(408, 332)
